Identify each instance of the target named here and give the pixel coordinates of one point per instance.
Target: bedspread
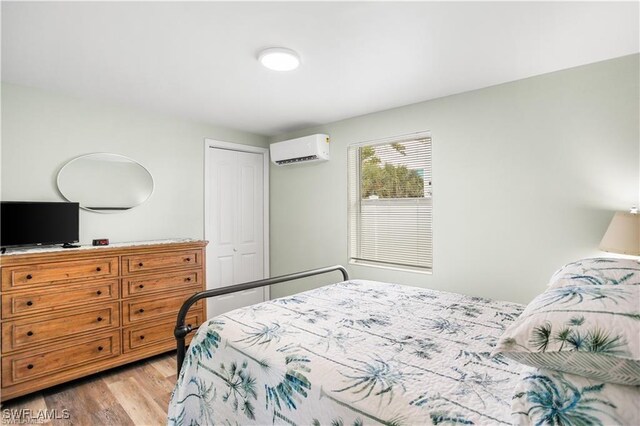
(353, 353)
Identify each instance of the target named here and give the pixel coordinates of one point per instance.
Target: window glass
(390, 203)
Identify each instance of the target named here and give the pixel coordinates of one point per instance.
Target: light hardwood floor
(134, 394)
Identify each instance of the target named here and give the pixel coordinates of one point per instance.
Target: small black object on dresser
(101, 242)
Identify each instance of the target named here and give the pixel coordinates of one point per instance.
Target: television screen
(26, 223)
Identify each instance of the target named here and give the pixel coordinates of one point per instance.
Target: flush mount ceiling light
(279, 59)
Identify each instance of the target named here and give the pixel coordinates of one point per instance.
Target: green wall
(526, 177)
(42, 130)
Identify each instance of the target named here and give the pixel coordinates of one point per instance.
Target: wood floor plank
(110, 412)
(138, 404)
(67, 398)
(158, 386)
(99, 392)
(165, 365)
(112, 416)
(35, 403)
(119, 374)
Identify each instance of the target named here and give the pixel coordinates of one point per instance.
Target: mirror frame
(153, 182)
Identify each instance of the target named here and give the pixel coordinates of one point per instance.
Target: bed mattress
(353, 353)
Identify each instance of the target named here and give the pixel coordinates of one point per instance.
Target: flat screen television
(26, 223)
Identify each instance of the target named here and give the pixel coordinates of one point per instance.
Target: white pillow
(598, 271)
(589, 330)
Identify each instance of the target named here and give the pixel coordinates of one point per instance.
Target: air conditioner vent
(297, 160)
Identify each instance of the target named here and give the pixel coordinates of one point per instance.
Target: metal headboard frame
(182, 330)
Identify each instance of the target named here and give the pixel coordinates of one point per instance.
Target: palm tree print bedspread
(353, 353)
(545, 397)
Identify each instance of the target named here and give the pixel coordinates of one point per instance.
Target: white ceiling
(198, 60)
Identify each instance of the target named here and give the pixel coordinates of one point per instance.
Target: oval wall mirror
(105, 183)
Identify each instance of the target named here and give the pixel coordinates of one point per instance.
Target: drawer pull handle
(188, 259)
(98, 292)
(141, 310)
(141, 286)
(29, 333)
(30, 366)
(98, 269)
(141, 337)
(187, 279)
(100, 348)
(29, 276)
(99, 319)
(29, 303)
(141, 264)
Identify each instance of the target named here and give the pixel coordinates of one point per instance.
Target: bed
(356, 352)
(363, 352)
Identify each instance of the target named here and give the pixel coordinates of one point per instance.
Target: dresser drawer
(159, 261)
(149, 284)
(16, 277)
(156, 333)
(142, 309)
(57, 360)
(23, 333)
(56, 299)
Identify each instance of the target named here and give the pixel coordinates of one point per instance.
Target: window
(390, 205)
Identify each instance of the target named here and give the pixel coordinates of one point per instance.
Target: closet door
(235, 226)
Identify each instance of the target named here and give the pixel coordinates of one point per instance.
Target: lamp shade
(623, 234)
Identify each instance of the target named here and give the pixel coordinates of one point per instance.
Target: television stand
(69, 245)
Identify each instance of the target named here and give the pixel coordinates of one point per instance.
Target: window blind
(390, 203)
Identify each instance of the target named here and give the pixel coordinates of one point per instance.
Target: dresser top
(58, 248)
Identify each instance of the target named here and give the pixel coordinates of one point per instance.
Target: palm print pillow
(590, 330)
(552, 398)
(598, 271)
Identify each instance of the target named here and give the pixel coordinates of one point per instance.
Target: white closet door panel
(236, 222)
(224, 205)
(224, 271)
(247, 263)
(247, 204)
(250, 250)
(228, 302)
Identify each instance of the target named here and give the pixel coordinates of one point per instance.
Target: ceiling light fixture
(279, 59)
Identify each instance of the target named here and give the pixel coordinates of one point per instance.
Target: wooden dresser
(70, 313)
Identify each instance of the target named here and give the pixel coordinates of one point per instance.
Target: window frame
(353, 149)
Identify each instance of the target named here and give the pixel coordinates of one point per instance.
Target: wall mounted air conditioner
(299, 150)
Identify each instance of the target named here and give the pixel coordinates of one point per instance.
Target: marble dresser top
(55, 248)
